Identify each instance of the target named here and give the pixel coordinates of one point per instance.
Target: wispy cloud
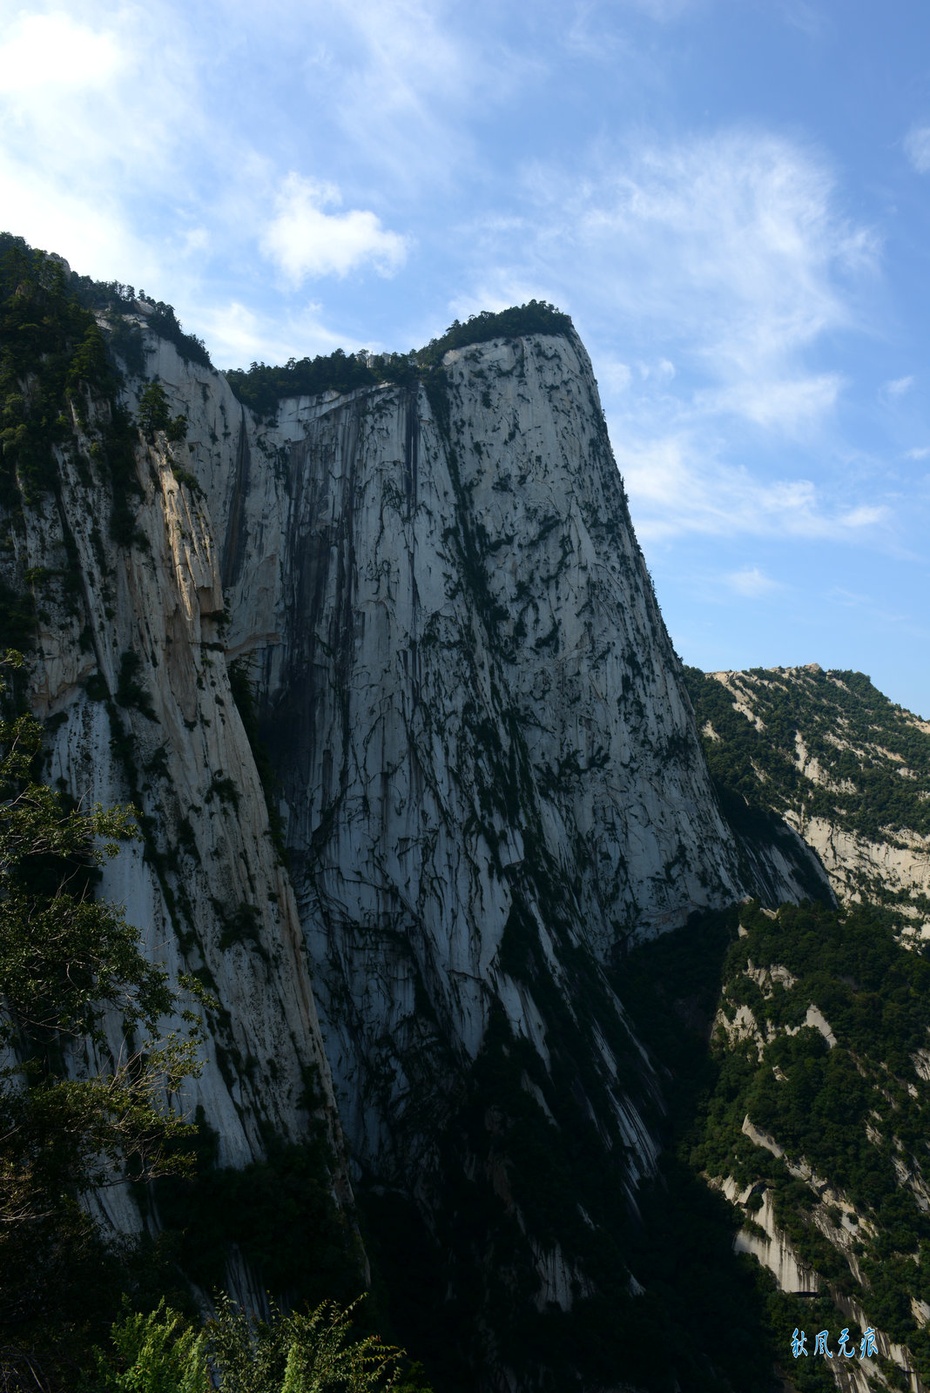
(303, 239)
(675, 488)
(729, 249)
(117, 154)
(867, 605)
(661, 10)
(615, 375)
(751, 582)
(239, 335)
(722, 267)
(897, 387)
(784, 405)
(917, 148)
(804, 16)
(400, 80)
(92, 123)
(112, 91)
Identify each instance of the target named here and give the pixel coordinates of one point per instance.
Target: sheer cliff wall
(488, 777)
(471, 701)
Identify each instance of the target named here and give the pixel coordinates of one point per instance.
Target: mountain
(371, 647)
(847, 769)
(110, 584)
(816, 1126)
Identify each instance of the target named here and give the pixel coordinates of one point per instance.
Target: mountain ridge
(490, 786)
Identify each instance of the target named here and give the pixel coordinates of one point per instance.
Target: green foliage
(116, 451)
(153, 415)
(856, 1113)
(523, 1154)
(129, 690)
(49, 355)
(683, 1249)
(875, 756)
(72, 1115)
(278, 1212)
(223, 788)
(262, 387)
(240, 926)
(156, 1353)
(535, 317)
(318, 1352)
(17, 618)
(53, 366)
(120, 300)
(313, 1353)
(162, 320)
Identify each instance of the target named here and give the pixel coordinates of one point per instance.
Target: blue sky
(730, 197)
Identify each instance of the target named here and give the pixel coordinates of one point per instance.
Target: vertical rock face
(490, 783)
(129, 675)
(473, 706)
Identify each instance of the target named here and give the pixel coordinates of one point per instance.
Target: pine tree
(76, 1111)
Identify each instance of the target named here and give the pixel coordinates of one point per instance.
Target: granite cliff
(487, 787)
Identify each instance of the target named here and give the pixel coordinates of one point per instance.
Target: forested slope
(816, 1118)
(845, 767)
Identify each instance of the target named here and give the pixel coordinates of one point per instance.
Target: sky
(730, 197)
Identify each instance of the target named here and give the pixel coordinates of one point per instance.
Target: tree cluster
(261, 387)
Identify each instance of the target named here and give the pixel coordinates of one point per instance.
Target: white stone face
(471, 698)
(482, 742)
(488, 771)
(900, 864)
(205, 889)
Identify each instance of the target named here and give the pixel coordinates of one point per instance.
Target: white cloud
(196, 239)
(787, 405)
(867, 604)
(898, 386)
(86, 226)
(98, 113)
(713, 270)
(727, 250)
(614, 376)
(920, 452)
(865, 515)
(675, 489)
(53, 51)
(751, 582)
(661, 371)
(803, 16)
(237, 335)
(402, 80)
(917, 148)
(303, 240)
(90, 102)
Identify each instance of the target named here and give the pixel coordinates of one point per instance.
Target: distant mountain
(847, 769)
(818, 1119)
